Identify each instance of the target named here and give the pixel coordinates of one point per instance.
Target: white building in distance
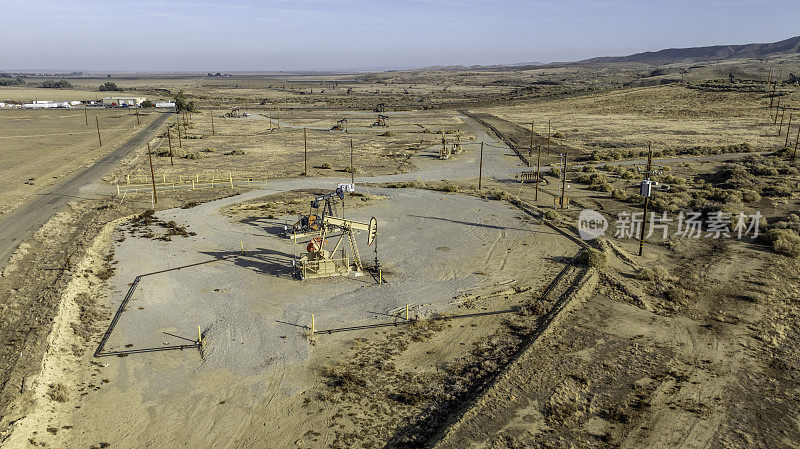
(47, 105)
(123, 101)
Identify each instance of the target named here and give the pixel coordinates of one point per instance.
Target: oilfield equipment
(233, 113)
(562, 201)
(647, 187)
(319, 262)
(450, 148)
(528, 176)
(312, 223)
(381, 121)
(444, 152)
(341, 125)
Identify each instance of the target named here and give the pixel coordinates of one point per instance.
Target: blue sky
(243, 35)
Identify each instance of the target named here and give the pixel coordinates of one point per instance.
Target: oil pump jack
(321, 223)
(310, 224)
(381, 121)
(321, 261)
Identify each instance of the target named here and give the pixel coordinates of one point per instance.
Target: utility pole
(772, 97)
(796, 142)
(137, 116)
(352, 170)
(783, 113)
(548, 137)
(564, 201)
(538, 175)
(530, 150)
(169, 140)
(152, 173)
(480, 169)
(788, 129)
(86, 115)
(305, 153)
(647, 196)
(97, 122)
(213, 133)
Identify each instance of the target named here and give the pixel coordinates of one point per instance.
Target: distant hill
(481, 67)
(713, 53)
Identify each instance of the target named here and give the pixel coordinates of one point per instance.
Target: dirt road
(25, 220)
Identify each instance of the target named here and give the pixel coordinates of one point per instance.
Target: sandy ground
(64, 347)
(622, 369)
(433, 247)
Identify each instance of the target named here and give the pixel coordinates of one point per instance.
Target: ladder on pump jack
(354, 250)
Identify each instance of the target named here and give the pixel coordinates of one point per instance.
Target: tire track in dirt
(570, 281)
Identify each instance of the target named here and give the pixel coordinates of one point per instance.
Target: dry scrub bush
(593, 258)
(657, 274)
(785, 236)
(596, 181)
(786, 242)
(619, 194)
(344, 377)
(674, 180)
(58, 392)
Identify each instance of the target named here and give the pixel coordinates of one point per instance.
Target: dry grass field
(247, 147)
(670, 117)
(42, 146)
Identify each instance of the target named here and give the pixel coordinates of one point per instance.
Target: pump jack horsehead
(320, 262)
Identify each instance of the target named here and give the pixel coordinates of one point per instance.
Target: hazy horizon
(325, 35)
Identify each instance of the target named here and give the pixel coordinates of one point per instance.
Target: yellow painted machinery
(381, 121)
(311, 224)
(321, 261)
(341, 125)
